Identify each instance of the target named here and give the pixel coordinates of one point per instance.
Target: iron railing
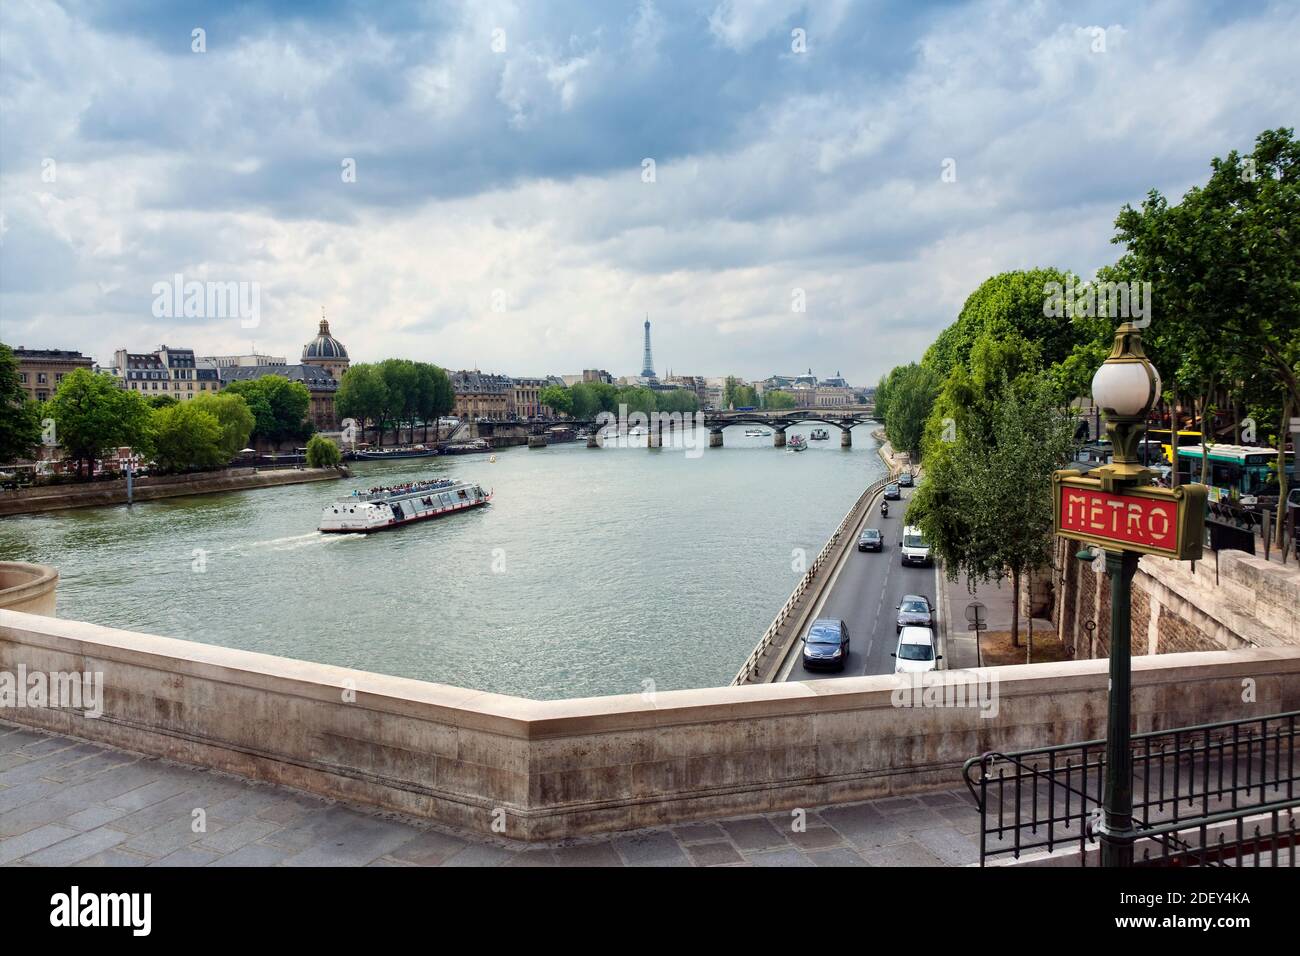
(1202, 795)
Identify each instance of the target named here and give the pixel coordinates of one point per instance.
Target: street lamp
(1126, 386)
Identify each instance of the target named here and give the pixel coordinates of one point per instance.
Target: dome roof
(324, 346)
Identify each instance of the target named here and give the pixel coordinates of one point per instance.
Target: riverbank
(64, 497)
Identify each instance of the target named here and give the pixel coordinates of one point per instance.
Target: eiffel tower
(647, 363)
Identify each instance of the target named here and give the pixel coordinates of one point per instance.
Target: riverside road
(865, 594)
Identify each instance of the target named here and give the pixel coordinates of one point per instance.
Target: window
(42, 379)
(22, 378)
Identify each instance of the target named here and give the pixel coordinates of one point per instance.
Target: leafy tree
(322, 452)
(637, 399)
(233, 415)
(778, 399)
(557, 398)
(159, 401)
(363, 395)
(20, 424)
(402, 380)
(92, 414)
(186, 437)
(986, 504)
(678, 400)
(433, 394)
(279, 406)
(911, 392)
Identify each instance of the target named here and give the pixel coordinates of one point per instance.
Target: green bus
(1243, 473)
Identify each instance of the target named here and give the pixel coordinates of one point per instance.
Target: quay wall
(60, 497)
(546, 770)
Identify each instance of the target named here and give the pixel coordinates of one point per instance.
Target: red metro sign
(1163, 521)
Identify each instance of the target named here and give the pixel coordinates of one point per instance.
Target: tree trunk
(1029, 637)
(1015, 608)
(1281, 468)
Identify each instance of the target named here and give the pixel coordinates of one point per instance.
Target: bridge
(843, 417)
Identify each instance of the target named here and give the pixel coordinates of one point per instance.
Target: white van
(914, 549)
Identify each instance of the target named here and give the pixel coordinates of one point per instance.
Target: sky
(515, 186)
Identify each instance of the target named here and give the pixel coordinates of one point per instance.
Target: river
(593, 572)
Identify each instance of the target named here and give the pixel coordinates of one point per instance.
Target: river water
(593, 572)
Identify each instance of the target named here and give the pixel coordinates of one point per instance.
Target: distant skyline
(515, 188)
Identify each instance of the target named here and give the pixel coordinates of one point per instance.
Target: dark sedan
(826, 645)
(905, 480)
(892, 493)
(870, 540)
(914, 611)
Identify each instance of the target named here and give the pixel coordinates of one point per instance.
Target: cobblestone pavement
(64, 802)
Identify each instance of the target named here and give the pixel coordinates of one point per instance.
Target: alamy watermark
(685, 430)
(1108, 300)
(178, 299)
(936, 689)
(63, 690)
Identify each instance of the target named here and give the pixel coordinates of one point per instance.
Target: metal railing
(750, 667)
(1200, 794)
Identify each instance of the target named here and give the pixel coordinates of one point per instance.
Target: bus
(1242, 473)
(1166, 437)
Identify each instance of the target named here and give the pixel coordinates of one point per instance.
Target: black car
(892, 493)
(826, 644)
(914, 611)
(870, 540)
(905, 480)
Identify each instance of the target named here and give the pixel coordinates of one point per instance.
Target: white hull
(363, 514)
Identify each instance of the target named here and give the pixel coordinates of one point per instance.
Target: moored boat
(384, 454)
(378, 509)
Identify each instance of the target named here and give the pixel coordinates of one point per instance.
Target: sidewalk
(65, 802)
(997, 601)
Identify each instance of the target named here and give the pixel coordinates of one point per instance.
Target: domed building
(326, 352)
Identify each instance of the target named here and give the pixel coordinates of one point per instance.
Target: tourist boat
(798, 443)
(819, 434)
(757, 433)
(381, 508)
(384, 454)
(466, 447)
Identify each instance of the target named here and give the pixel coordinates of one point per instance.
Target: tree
(159, 401)
(20, 423)
(401, 380)
(93, 414)
(433, 394)
(186, 437)
(279, 406)
(557, 398)
(233, 415)
(778, 399)
(363, 395)
(986, 504)
(322, 452)
(911, 391)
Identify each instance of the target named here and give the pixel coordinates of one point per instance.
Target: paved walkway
(64, 802)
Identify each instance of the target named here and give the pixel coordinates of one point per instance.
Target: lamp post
(1125, 387)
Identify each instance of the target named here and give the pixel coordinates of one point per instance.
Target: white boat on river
(381, 508)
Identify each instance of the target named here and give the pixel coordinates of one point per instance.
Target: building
(41, 370)
(525, 400)
(809, 392)
(479, 395)
(321, 385)
(168, 371)
(326, 352)
(251, 359)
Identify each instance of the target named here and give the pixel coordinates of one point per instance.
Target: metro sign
(1169, 522)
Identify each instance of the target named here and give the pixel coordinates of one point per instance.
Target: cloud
(499, 146)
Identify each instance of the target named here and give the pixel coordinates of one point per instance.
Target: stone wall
(1183, 606)
(551, 769)
(28, 587)
(60, 497)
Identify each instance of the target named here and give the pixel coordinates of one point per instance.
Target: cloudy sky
(514, 186)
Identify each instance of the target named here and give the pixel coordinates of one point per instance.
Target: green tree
(92, 414)
(402, 380)
(159, 401)
(557, 398)
(912, 391)
(20, 423)
(186, 437)
(363, 396)
(433, 394)
(322, 452)
(986, 504)
(233, 415)
(279, 406)
(778, 399)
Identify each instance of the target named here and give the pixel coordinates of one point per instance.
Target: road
(865, 594)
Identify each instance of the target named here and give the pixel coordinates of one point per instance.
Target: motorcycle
(884, 509)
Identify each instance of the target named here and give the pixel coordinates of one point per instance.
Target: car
(914, 610)
(915, 653)
(905, 480)
(871, 540)
(892, 493)
(826, 645)
(914, 548)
